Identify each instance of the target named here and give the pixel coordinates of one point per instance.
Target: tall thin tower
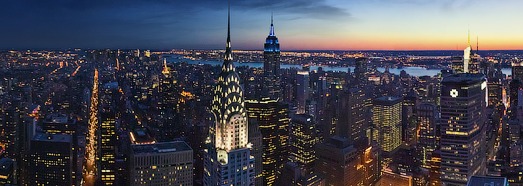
(90, 169)
(229, 149)
(271, 65)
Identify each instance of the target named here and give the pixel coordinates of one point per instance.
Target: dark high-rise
(271, 66)
(463, 148)
(51, 161)
(273, 120)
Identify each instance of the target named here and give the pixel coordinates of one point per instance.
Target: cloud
(134, 23)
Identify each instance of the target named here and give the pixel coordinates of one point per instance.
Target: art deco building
(271, 66)
(463, 103)
(228, 159)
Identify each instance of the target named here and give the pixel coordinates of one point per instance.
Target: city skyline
(325, 25)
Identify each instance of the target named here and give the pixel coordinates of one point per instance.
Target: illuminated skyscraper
(90, 170)
(303, 137)
(271, 66)
(342, 164)
(426, 116)
(51, 160)
(463, 103)
(273, 120)
(386, 117)
(108, 133)
(302, 91)
(165, 163)
(228, 160)
(256, 138)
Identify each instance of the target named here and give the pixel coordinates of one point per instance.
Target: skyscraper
(108, 133)
(273, 120)
(165, 163)
(303, 137)
(463, 103)
(386, 118)
(51, 161)
(271, 66)
(302, 91)
(229, 160)
(427, 117)
(256, 138)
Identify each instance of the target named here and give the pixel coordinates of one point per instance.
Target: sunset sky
(300, 24)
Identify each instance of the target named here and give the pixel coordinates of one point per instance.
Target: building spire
(469, 37)
(165, 69)
(228, 50)
(477, 44)
(271, 33)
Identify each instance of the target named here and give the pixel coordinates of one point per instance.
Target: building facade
(463, 103)
(386, 117)
(228, 158)
(165, 163)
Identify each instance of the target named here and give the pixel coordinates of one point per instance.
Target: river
(413, 71)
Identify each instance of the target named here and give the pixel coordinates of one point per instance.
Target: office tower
(340, 163)
(408, 126)
(495, 91)
(435, 169)
(228, 160)
(517, 71)
(256, 138)
(271, 66)
(164, 163)
(273, 120)
(345, 115)
(303, 137)
(457, 64)
(426, 114)
(168, 97)
(59, 124)
(302, 91)
(386, 117)
(360, 72)
(90, 170)
(293, 174)
(108, 133)
(10, 120)
(463, 102)
(515, 87)
(51, 160)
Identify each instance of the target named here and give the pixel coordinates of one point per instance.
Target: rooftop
(487, 181)
(6, 167)
(53, 137)
(387, 100)
(163, 147)
(464, 78)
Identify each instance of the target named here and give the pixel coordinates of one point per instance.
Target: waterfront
(414, 71)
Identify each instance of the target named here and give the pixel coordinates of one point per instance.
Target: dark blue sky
(300, 24)
(162, 24)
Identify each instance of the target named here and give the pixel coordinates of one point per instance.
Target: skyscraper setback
(228, 160)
